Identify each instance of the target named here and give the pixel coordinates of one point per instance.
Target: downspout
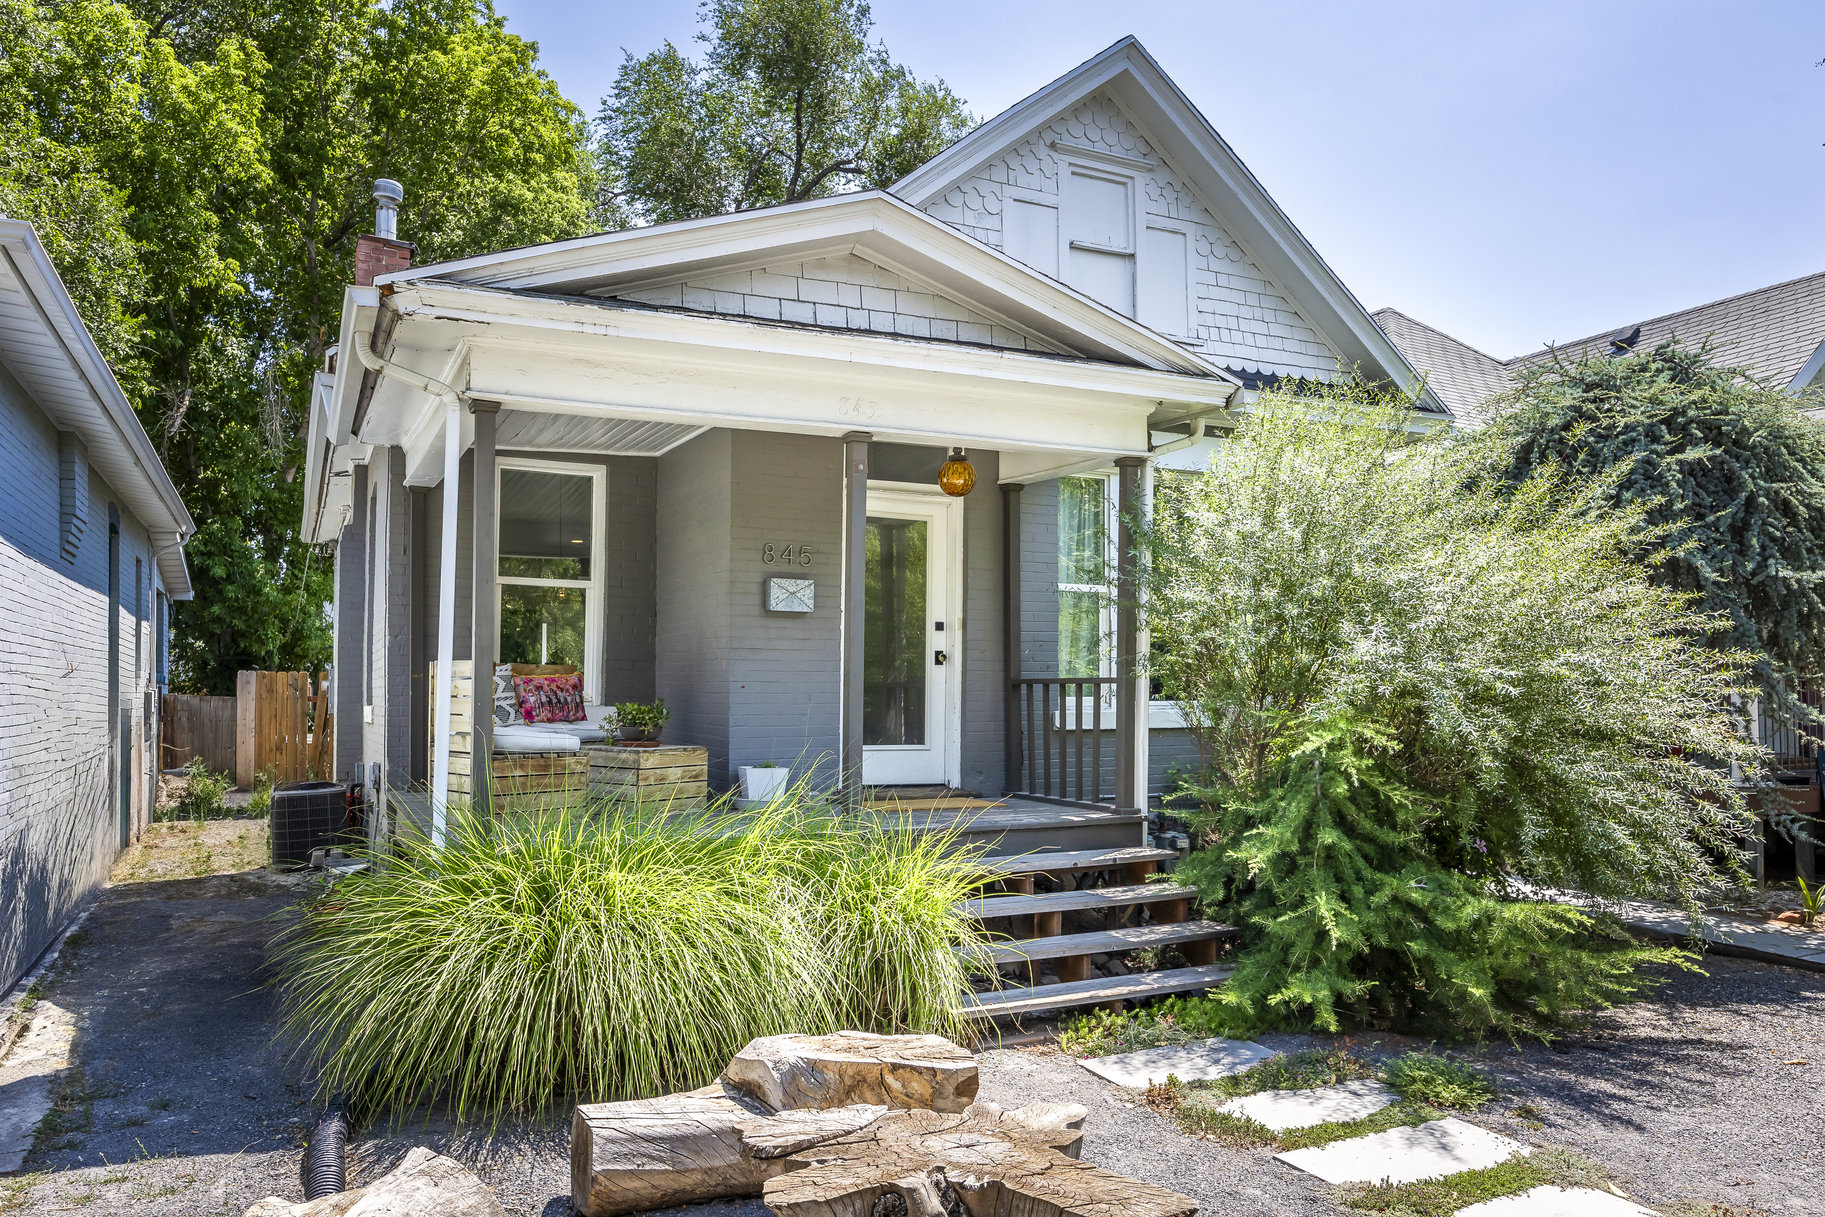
(446, 597)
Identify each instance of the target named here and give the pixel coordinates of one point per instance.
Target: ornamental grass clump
(1422, 693)
(599, 953)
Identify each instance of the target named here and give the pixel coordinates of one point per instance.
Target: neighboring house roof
(1463, 377)
(1777, 332)
(47, 349)
(1186, 140)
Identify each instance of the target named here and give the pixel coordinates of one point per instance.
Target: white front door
(910, 703)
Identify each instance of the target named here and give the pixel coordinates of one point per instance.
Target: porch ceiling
(532, 429)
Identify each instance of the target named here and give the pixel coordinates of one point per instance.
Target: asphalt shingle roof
(1774, 331)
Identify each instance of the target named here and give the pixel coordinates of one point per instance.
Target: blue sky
(1511, 173)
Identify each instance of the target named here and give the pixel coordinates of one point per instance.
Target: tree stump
(789, 1072)
(983, 1162)
(652, 1153)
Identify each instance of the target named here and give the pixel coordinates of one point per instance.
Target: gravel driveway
(180, 1104)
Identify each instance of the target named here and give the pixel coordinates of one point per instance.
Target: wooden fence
(283, 726)
(277, 722)
(197, 727)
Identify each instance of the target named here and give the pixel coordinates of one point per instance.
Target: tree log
(652, 1153)
(788, 1072)
(983, 1162)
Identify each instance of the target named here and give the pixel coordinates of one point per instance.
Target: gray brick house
(91, 555)
(611, 449)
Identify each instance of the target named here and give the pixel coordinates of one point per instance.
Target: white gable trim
(1185, 138)
(870, 224)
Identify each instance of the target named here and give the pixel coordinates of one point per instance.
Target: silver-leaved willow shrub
(1420, 696)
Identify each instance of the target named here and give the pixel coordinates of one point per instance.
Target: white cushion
(589, 733)
(528, 738)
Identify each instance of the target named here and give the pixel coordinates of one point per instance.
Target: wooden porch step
(1102, 942)
(1073, 861)
(1097, 991)
(1022, 829)
(1086, 898)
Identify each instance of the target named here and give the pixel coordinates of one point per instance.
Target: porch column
(1012, 775)
(855, 580)
(1131, 700)
(484, 611)
(446, 619)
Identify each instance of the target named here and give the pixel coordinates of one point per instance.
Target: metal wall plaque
(791, 595)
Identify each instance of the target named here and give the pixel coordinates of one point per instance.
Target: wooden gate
(283, 726)
(195, 728)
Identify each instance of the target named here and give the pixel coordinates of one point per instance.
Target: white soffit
(1178, 129)
(534, 429)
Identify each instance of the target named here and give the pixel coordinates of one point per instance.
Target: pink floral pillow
(550, 699)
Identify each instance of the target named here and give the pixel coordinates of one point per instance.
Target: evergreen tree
(1727, 473)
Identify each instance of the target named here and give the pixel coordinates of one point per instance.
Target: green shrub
(1305, 1070)
(202, 795)
(1427, 1077)
(260, 804)
(1413, 686)
(600, 953)
(1175, 1020)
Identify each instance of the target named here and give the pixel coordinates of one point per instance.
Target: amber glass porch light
(958, 477)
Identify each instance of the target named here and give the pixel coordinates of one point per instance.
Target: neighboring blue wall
(59, 777)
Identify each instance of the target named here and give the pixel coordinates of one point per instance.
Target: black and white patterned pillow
(506, 703)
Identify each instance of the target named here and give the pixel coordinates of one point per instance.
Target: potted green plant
(638, 722)
(762, 781)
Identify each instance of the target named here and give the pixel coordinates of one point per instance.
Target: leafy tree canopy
(1729, 472)
(791, 102)
(1414, 685)
(200, 172)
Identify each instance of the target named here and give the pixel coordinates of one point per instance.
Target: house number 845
(789, 555)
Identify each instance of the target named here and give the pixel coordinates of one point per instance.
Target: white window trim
(592, 614)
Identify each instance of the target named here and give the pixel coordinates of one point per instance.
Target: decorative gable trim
(1084, 152)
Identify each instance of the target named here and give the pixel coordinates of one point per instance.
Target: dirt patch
(194, 850)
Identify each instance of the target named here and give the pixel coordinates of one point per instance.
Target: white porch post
(854, 635)
(1131, 700)
(446, 619)
(485, 627)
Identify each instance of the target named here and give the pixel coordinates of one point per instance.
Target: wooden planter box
(670, 776)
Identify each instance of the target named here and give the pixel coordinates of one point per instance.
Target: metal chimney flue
(388, 194)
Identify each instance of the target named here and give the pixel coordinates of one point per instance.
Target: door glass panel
(542, 624)
(894, 666)
(545, 524)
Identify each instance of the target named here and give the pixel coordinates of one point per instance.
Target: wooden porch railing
(1063, 753)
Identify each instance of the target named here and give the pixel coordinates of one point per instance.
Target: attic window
(72, 493)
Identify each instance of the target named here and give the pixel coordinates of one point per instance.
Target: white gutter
(446, 575)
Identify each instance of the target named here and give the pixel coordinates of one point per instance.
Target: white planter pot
(759, 784)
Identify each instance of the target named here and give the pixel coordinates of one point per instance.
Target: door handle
(939, 658)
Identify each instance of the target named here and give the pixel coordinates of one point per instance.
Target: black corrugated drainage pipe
(323, 1168)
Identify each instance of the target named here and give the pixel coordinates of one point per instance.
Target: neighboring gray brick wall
(691, 652)
(846, 292)
(59, 810)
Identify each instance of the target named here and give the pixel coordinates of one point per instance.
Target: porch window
(1084, 594)
(549, 562)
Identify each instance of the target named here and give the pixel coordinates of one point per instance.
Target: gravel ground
(180, 1104)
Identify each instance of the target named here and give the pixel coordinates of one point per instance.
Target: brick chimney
(381, 252)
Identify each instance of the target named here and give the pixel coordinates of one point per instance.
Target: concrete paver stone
(1195, 1062)
(1557, 1202)
(1406, 1155)
(1284, 1109)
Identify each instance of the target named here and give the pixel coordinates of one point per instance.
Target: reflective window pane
(545, 524)
(542, 624)
(1081, 531)
(1080, 634)
(894, 662)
